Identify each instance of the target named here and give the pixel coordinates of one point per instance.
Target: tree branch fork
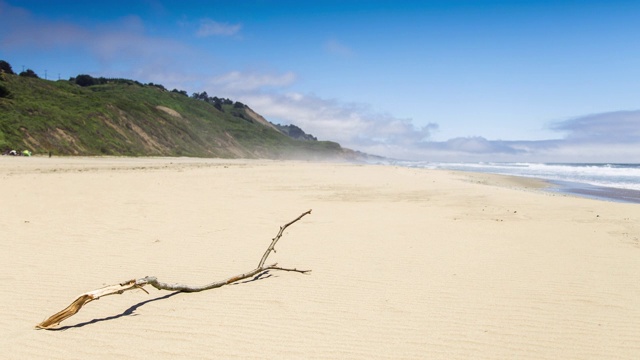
(83, 299)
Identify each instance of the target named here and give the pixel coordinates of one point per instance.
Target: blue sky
(552, 81)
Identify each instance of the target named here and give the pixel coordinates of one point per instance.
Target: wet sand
(598, 192)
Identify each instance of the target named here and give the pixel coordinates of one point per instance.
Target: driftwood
(120, 288)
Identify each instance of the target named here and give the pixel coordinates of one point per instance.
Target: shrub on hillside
(4, 92)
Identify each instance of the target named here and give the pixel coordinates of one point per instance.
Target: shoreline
(582, 190)
(567, 179)
(596, 192)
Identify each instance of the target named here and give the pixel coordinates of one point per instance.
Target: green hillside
(124, 117)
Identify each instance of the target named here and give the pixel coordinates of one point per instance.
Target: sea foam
(620, 176)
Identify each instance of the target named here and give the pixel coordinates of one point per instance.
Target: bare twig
(275, 239)
(87, 297)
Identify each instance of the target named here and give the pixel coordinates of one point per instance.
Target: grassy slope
(129, 119)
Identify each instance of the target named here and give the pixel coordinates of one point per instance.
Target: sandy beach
(406, 263)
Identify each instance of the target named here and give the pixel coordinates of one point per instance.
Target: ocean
(614, 182)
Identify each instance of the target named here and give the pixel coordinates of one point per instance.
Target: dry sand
(407, 263)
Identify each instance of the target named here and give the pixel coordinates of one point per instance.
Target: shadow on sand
(131, 311)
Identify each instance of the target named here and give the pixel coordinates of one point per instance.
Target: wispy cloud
(480, 145)
(21, 29)
(335, 47)
(237, 81)
(126, 41)
(120, 47)
(210, 27)
(614, 126)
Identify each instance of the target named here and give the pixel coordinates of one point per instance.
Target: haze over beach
(521, 81)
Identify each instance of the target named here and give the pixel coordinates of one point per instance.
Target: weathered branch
(87, 297)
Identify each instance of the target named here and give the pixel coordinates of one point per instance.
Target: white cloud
(210, 27)
(355, 126)
(606, 137)
(359, 127)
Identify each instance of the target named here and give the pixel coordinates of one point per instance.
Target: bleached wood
(55, 319)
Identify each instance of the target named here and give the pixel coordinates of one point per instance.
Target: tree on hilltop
(181, 92)
(29, 73)
(85, 80)
(6, 67)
